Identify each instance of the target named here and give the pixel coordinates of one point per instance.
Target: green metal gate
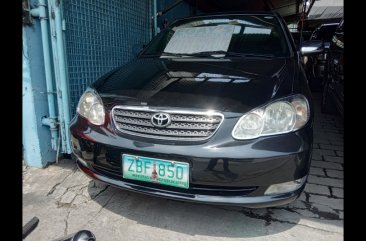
(101, 35)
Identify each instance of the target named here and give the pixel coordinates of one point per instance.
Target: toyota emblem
(160, 119)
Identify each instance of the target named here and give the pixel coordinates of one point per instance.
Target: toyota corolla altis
(215, 109)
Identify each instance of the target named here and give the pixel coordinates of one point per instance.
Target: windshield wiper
(211, 54)
(167, 54)
(232, 54)
(269, 56)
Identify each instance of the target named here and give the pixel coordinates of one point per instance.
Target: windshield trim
(290, 46)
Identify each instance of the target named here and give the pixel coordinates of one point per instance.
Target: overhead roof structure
(326, 9)
(289, 9)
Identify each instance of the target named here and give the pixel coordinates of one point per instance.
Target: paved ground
(66, 201)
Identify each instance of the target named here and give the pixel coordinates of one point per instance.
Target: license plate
(146, 169)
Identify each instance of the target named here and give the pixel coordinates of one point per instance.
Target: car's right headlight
(281, 116)
(91, 107)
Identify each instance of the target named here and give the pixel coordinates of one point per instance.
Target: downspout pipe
(51, 120)
(155, 20)
(63, 78)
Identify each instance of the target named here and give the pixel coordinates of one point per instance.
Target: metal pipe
(63, 78)
(40, 12)
(310, 7)
(58, 147)
(302, 24)
(155, 13)
(57, 75)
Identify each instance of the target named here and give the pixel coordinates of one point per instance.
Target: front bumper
(222, 170)
(248, 201)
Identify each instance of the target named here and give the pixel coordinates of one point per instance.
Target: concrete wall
(36, 137)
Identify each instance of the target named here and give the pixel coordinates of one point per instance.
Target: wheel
(327, 105)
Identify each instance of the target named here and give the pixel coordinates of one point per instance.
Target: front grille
(184, 125)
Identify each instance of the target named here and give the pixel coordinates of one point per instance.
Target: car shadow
(191, 218)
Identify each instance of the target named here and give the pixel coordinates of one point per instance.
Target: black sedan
(333, 93)
(215, 109)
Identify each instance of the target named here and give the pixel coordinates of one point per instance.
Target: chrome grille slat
(142, 122)
(185, 125)
(193, 126)
(176, 125)
(165, 132)
(192, 118)
(137, 114)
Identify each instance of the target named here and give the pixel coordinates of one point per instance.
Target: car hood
(226, 85)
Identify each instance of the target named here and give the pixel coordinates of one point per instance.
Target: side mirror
(312, 47)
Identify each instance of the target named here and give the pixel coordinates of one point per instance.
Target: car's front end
(233, 131)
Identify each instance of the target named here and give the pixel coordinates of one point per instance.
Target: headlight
(91, 107)
(282, 116)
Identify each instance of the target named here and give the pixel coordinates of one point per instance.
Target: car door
(336, 84)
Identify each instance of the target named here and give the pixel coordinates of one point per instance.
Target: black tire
(327, 104)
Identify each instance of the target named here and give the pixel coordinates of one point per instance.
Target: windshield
(324, 32)
(230, 35)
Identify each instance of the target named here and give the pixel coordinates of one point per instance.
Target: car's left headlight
(91, 107)
(281, 116)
